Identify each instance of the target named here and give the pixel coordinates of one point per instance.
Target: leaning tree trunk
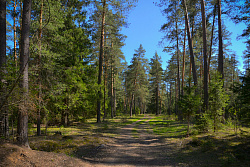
(211, 45)
(100, 64)
(22, 128)
(190, 43)
(205, 55)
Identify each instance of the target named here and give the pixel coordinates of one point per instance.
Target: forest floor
(141, 141)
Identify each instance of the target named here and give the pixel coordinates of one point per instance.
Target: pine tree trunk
(183, 61)
(134, 106)
(2, 37)
(170, 100)
(14, 28)
(190, 44)
(220, 56)
(24, 58)
(112, 90)
(100, 63)
(205, 55)
(40, 76)
(114, 96)
(157, 99)
(2, 62)
(131, 105)
(105, 83)
(178, 67)
(211, 46)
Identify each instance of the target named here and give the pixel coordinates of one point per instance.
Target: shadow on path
(133, 145)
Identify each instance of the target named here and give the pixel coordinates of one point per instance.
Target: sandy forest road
(135, 145)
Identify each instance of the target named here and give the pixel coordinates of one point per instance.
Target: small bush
(203, 123)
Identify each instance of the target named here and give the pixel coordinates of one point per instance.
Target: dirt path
(135, 146)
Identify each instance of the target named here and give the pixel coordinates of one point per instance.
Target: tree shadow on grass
(211, 151)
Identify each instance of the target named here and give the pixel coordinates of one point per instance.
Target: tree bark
(100, 64)
(205, 55)
(157, 99)
(24, 58)
(183, 61)
(3, 115)
(190, 44)
(220, 56)
(40, 76)
(211, 45)
(131, 105)
(14, 28)
(2, 37)
(178, 66)
(112, 89)
(114, 96)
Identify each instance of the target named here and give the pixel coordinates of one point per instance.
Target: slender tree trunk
(14, 28)
(114, 94)
(183, 61)
(190, 44)
(178, 63)
(24, 58)
(220, 56)
(188, 119)
(204, 27)
(40, 76)
(100, 63)
(2, 38)
(134, 105)
(168, 97)
(176, 97)
(178, 66)
(211, 45)
(112, 90)
(157, 99)
(2, 62)
(170, 100)
(131, 105)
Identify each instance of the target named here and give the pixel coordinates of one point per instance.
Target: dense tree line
(61, 61)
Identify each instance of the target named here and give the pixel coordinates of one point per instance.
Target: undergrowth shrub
(203, 123)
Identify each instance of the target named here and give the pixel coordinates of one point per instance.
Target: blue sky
(145, 22)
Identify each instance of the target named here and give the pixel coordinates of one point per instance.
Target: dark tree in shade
(22, 127)
(2, 61)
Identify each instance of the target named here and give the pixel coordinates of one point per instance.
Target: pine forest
(67, 86)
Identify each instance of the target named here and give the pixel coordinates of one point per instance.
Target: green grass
(222, 148)
(167, 128)
(82, 134)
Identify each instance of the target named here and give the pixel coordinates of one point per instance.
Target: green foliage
(218, 99)
(203, 123)
(242, 104)
(190, 101)
(155, 80)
